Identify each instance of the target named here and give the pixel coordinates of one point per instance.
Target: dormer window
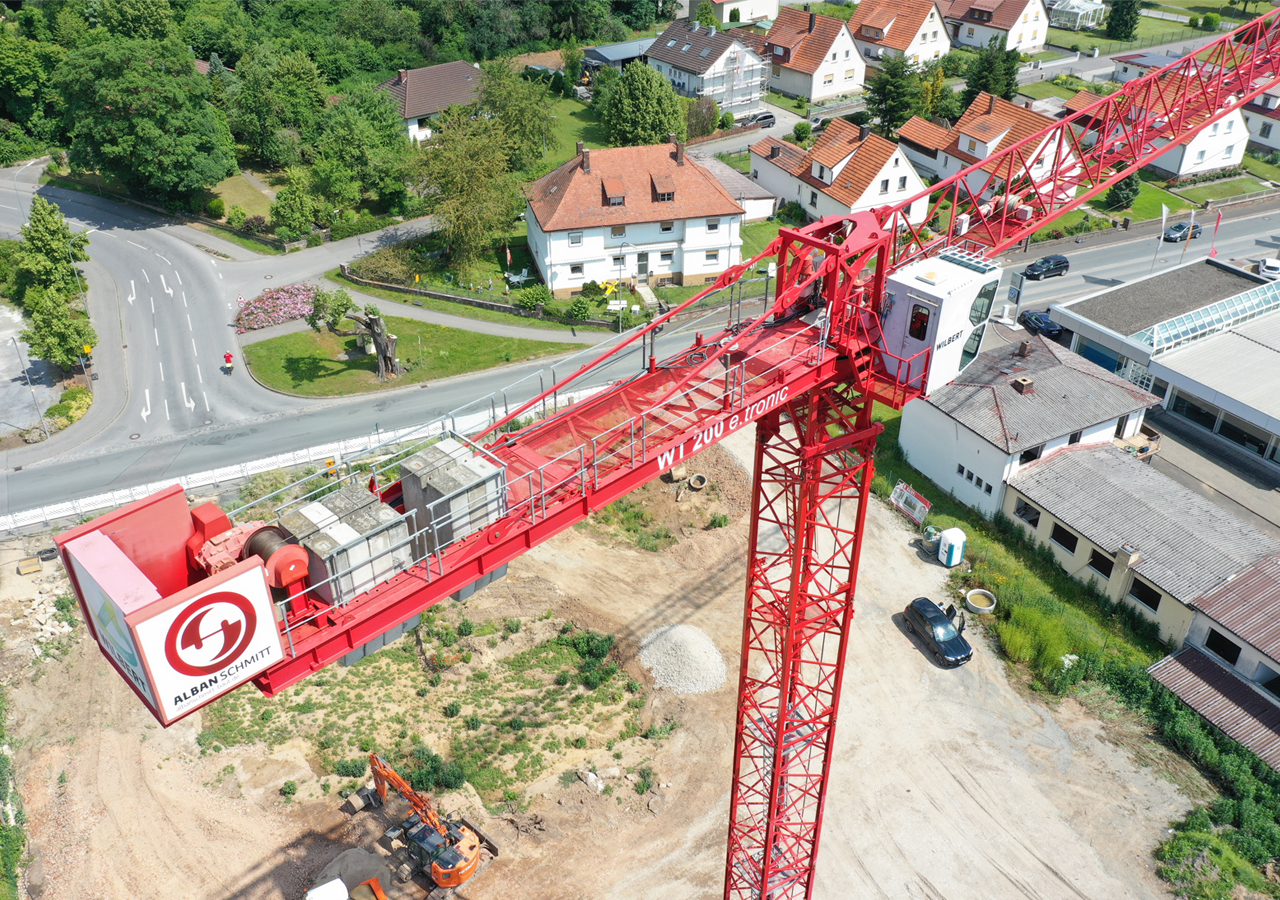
(666, 197)
(617, 201)
(614, 193)
(685, 48)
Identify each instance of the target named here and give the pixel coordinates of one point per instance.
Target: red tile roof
(1225, 699)
(1004, 13)
(750, 38)
(1249, 605)
(870, 155)
(569, 197)
(1257, 110)
(426, 91)
(986, 118)
(808, 48)
(907, 18)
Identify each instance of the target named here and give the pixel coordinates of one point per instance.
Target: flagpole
(1164, 217)
(1187, 243)
(1213, 247)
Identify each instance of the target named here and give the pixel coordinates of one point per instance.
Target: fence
(1106, 48)
(1242, 198)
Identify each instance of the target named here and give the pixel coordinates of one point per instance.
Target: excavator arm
(384, 775)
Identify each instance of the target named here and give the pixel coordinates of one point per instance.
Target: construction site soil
(945, 783)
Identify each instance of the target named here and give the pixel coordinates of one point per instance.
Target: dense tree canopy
(137, 110)
(994, 70)
(893, 96)
(49, 251)
(1123, 20)
(642, 108)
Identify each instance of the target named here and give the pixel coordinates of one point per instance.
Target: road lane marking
(153, 304)
(166, 262)
(194, 352)
(146, 412)
(157, 334)
(184, 299)
(14, 208)
(168, 290)
(213, 262)
(161, 371)
(139, 246)
(206, 401)
(166, 408)
(198, 375)
(189, 328)
(178, 275)
(133, 292)
(187, 401)
(219, 276)
(144, 272)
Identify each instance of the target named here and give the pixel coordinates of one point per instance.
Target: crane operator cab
(939, 304)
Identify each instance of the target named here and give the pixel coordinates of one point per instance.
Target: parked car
(925, 618)
(1269, 269)
(1181, 232)
(763, 119)
(1040, 323)
(1047, 267)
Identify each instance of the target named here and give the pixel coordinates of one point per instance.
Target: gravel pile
(682, 658)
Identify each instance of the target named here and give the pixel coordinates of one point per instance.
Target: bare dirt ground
(946, 784)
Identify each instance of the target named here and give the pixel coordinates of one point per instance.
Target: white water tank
(951, 547)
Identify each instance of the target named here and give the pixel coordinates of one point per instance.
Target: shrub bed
(275, 306)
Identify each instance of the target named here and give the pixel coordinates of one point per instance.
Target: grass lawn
(787, 102)
(1150, 32)
(1262, 169)
(448, 306)
(1046, 56)
(843, 13)
(237, 191)
(574, 121)
(1218, 190)
(1199, 8)
(1147, 206)
(307, 363)
(757, 236)
(238, 239)
(1069, 218)
(740, 161)
(1040, 90)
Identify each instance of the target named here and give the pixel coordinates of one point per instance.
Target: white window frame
(575, 239)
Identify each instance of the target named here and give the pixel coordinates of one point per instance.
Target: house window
(1101, 563)
(617, 201)
(846, 54)
(1031, 454)
(755, 173)
(1075, 437)
(1126, 69)
(973, 145)
(713, 225)
(618, 231)
(1121, 424)
(1027, 513)
(1213, 129)
(895, 162)
(959, 470)
(918, 327)
(1200, 157)
(713, 256)
(575, 239)
(666, 196)
(988, 488)
(813, 198)
(618, 261)
(1063, 538)
(666, 256)
(422, 123)
(777, 71)
(902, 183)
(884, 185)
(1265, 131)
(1223, 646)
(970, 32)
(969, 476)
(576, 271)
(935, 36)
(833, 57)
(848, 74)
(977, 482)
(666, 227)
(1145, 594)
(828, 78)
(1227, 152)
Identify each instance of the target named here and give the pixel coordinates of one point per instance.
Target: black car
(1040, 323)
(926, 618)
(1047, 267)
(1181, 232)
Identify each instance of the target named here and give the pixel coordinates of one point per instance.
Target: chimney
(864, 132)
(775, 151)
(1024, 349)
(671, 137)
(1024, 385)
(581, 147)
(679, 154)
(813, 21)
(404, 76)
(693, 26)
(991, 107)
(711, 31)
(586, 160)
(1128, 556)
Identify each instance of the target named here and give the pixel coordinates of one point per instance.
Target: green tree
(522, 109)
(471, 212)
(1243, 4)
(1122, 21)
(55, 331)
(147, 20)
(994, 70)
(579, 309)
(365, 133)
(581, 19)
(293, 209)
(331, 308)
(702, 117)
(217, 27)
(1123, 193)
(137, 110)
(706, 14)
(280, 99)
(894, 94)
(571, 58)
(642, 109)
(26, 95)
(335, 183)
(735, 15)
(49, 251)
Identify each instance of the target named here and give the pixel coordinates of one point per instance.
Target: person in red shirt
(226, 358)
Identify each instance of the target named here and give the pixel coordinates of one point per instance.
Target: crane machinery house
(703, 61)
(640, 215)
(847, 170)
(910, 28)
(812, 56)
(1022, 24)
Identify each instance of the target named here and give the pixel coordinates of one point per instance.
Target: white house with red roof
(911, 28)
(812, 56)
(1023, 24)
(990, 125)
(643, 215)
(1262, 118)
(849, 169)
(420, 94)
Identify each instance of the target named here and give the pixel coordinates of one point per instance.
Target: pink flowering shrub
(275, 306)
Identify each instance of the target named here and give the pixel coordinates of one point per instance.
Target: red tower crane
(851, 323)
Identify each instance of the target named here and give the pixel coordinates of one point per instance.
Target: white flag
(1164, 216)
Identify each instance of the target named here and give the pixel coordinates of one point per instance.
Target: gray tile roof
(1248, 604)
(426, 91)
(693, 59)
(1132, 307)
(1070, 394)
(738, 185)
(1188, 545)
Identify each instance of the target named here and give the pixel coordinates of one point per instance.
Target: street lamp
(15, 190)
(76, 268)
(30, 387)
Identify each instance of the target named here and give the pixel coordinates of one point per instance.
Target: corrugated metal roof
(1188, 544)
(1243, 364)
(1225, 699)
(1249, 605)
(619, 52)
(1070, 394)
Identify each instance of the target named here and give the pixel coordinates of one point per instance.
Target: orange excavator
(449, 852)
